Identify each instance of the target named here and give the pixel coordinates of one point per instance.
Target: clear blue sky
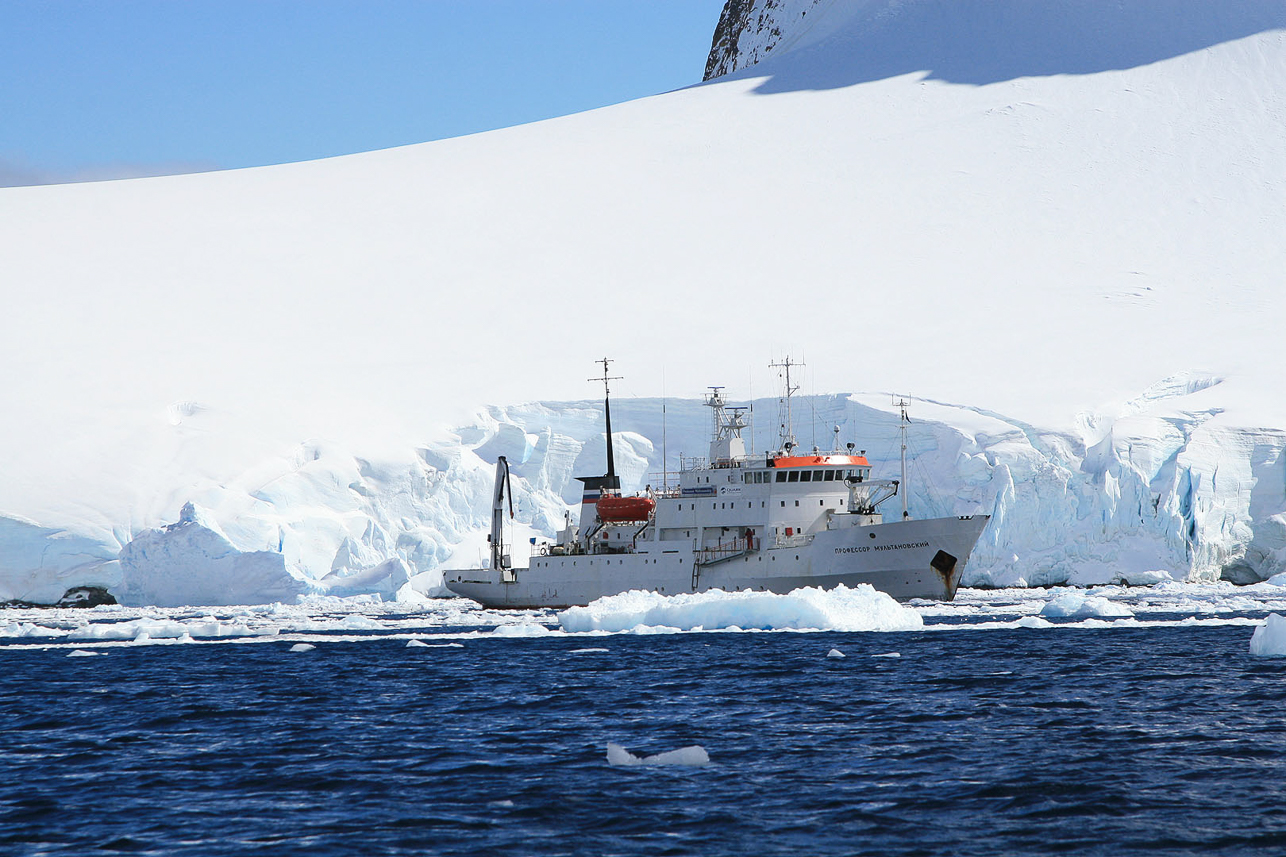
(105, 88)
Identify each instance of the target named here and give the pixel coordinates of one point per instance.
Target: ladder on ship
(721, 552)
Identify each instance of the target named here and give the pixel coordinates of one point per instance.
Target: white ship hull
(897, 558)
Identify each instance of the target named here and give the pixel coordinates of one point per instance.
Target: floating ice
(1077, 605)
(142, 630)
(587, 651)
(416, 644)
(302, 647)
(81, 653)
(522, 629)
(28, 629)
(839, 609)
(1269, 639)
(888, 655)
(692, 757)
(834, 653)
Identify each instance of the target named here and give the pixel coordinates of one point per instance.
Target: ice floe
(839, 609)
(1073, 604)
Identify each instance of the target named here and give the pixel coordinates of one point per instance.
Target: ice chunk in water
(1080, 606)
(861, 608)
(1269, 639)
(834, 653)
(691, 757)
(81, 653)
(302, 647)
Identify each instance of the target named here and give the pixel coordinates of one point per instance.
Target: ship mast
(787, 428)
(904, 488)
(607, 415)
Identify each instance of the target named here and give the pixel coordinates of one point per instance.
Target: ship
(736, 521)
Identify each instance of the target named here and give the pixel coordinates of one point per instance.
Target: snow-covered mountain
(1056, 225)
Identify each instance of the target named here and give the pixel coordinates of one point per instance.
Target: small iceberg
(1074, 605)
(1269, 639)
(302, 647)
(689, 757)
(835, 653)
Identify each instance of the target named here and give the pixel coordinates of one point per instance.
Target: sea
(1120, 721)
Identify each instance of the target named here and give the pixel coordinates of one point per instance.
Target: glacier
(260, 385)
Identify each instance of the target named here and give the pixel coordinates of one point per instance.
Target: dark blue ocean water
(1149, 740)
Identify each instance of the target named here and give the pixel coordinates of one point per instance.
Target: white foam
(888, 655)
(838, 609)
(587, 651)
(691, 757)
(1269, 639)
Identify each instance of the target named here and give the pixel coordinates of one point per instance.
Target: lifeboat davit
(616, 510)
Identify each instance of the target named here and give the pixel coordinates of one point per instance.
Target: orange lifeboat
(614, 510)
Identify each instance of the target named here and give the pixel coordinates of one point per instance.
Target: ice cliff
(1151, 493)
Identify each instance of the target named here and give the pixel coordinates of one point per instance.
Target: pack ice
(1055, 225)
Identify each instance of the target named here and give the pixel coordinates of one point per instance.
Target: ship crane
(501, 560)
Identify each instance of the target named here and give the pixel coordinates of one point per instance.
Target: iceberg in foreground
(1269, 639)
(839, 609)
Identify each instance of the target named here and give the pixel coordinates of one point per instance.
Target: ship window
(830, 475)
(796, 502)
(793, 477)
(781, 476)
(783, 504)
(806, 476)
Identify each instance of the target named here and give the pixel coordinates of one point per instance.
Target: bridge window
(781, 476)
(806, 476)
(793, 476)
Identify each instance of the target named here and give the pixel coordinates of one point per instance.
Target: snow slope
(1057, 225)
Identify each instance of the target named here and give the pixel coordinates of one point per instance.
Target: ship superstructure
(775, 521)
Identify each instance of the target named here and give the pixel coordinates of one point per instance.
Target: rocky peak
(749, 30)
